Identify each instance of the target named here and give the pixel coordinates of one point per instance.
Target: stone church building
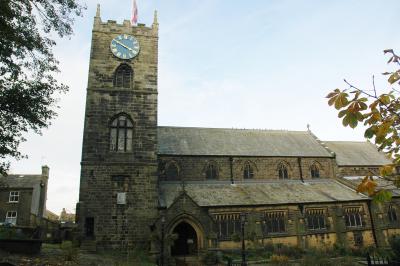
(138, 178)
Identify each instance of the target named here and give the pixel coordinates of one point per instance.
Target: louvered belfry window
(121, 133)
(123, 76)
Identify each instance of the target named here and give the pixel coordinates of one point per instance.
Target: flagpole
(134, 15)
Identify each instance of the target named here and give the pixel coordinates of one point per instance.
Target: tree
(380, 113)
(27, 66)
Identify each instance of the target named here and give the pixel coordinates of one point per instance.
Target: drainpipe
(372, 223)
(231, 166)
(301, 171)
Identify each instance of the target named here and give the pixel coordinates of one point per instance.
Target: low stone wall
(31, 246)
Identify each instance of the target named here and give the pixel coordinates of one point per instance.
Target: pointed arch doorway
(187, 242)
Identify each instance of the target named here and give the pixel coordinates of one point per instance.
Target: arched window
(314, 170)
(123, 76)
(392, 215)
(248, 172)
(121, 132)
(211, 171)
(282, 171)
(172, 172)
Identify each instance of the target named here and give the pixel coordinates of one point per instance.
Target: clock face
(125, 46)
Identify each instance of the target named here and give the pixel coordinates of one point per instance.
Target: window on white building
(11, 217)
(14, 196)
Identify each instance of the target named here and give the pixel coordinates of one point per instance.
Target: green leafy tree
(28, 88)
(380, 113)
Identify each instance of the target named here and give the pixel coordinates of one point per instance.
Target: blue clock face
(125, 46)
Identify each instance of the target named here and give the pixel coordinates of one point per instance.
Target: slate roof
(223, 193)
(238, 142)
(21, 181)
(357, 153)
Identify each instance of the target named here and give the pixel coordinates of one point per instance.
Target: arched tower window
(211, 171)
(171, 171)
(123, 76)
(248, 172)
(283, 171)
(314, 170)
(121, 132)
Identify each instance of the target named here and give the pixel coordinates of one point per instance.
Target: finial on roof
(155, 20)
(98, 10)
(183, 185)
(308, 127)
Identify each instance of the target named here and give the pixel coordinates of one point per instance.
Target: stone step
(188, 261)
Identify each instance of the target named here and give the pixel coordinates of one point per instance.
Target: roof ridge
(238, 129)
(345, 141)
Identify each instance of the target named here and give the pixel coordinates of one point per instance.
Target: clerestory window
(283, 171)
(171, 172)
(248, 172)
(211, 171)
(121, 133)
(314, 171)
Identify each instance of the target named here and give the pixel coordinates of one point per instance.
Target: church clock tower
(118, 185)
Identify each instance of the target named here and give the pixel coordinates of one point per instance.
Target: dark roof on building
(357, 153)
(21, 181)
(238, 142)
(223, 193)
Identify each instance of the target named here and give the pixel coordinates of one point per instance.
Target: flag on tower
(134, 13)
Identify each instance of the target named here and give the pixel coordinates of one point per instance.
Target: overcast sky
(223, 63)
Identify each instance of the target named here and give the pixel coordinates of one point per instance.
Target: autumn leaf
(394, 77)
(367, 185)
(338, 99)
(386, 170)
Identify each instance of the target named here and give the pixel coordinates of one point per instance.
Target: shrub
(279, 260)
(395, 245)
(339, 249)
(316, 259)
(70, 252)
(290, 251)
(209, 258)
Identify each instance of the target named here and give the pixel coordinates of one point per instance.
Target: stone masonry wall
(22, 207)
(194, 167)
(297, 233)
(105, 173)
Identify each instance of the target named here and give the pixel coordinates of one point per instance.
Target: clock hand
(123, 45)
